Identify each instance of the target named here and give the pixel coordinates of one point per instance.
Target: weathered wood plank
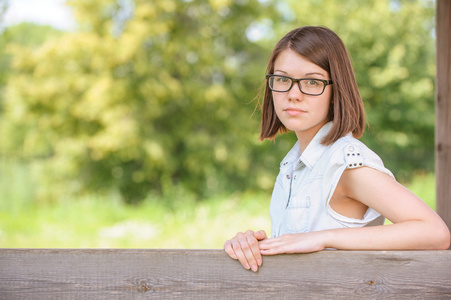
(206, 274)
(443, 111)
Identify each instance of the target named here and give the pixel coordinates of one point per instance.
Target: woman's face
(303, 114)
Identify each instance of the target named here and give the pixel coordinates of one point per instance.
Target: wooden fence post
(443, 110)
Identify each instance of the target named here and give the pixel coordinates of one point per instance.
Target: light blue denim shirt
(307, 181)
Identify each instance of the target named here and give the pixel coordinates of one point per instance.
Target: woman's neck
(304, 141)
(306, 136)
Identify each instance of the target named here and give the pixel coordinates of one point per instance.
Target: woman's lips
(294, 111)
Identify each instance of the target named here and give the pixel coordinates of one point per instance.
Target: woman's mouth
(294, 111)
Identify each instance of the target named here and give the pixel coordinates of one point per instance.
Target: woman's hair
(324, 48)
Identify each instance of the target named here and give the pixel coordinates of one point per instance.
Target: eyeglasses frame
(298, 80)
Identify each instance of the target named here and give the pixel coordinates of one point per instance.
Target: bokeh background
(136, 123)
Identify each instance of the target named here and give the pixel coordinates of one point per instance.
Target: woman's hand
(244, 247)
(293, 243)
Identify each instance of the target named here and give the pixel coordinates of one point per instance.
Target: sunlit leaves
(148, 96)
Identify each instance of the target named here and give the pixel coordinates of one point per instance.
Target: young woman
(332, 191)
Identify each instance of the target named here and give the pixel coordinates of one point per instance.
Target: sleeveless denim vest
(307, 181)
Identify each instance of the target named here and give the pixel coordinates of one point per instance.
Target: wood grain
(443, 111)
(211, 274)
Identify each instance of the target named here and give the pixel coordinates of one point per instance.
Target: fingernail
(246, 266)
(259, 262)
(254, 268)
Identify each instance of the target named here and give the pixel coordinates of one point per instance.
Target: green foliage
(392, 48)
(24, 34)
(156, 96)
(163, 102)
(106, 222)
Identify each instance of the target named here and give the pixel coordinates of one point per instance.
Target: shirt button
(288, 176)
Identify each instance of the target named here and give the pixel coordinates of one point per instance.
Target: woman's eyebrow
(315, 73)
(306, 74)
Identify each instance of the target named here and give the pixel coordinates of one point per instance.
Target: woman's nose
(295, 93)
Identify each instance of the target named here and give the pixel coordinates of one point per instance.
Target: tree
(156, 96)
(23, 35)
(392, 48)
(146, 96)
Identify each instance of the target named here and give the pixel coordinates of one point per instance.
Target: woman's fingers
(271, 246)
(260, 235)
(292, 243)
(247, 244)
(229, 250)
(242, 251)
(245, 248)
(253, 254)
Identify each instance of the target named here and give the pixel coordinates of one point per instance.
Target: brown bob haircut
(324, 48)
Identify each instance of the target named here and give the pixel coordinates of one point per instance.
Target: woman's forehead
(291, 63)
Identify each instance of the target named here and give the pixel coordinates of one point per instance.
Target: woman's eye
(282, 80)
(312, 82)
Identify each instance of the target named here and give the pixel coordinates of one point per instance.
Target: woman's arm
(415, 225)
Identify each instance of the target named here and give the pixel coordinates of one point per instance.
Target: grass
(105, 222)
(94, 222)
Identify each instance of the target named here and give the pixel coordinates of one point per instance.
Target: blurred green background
(139, 128)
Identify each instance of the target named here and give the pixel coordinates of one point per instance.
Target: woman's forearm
(412, 235)
(408, 235)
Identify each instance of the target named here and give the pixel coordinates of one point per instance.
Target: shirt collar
(311, 154)
(315, 149)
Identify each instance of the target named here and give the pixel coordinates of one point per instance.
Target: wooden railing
(211, 274)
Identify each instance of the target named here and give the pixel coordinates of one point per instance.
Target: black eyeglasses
(308, 86)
